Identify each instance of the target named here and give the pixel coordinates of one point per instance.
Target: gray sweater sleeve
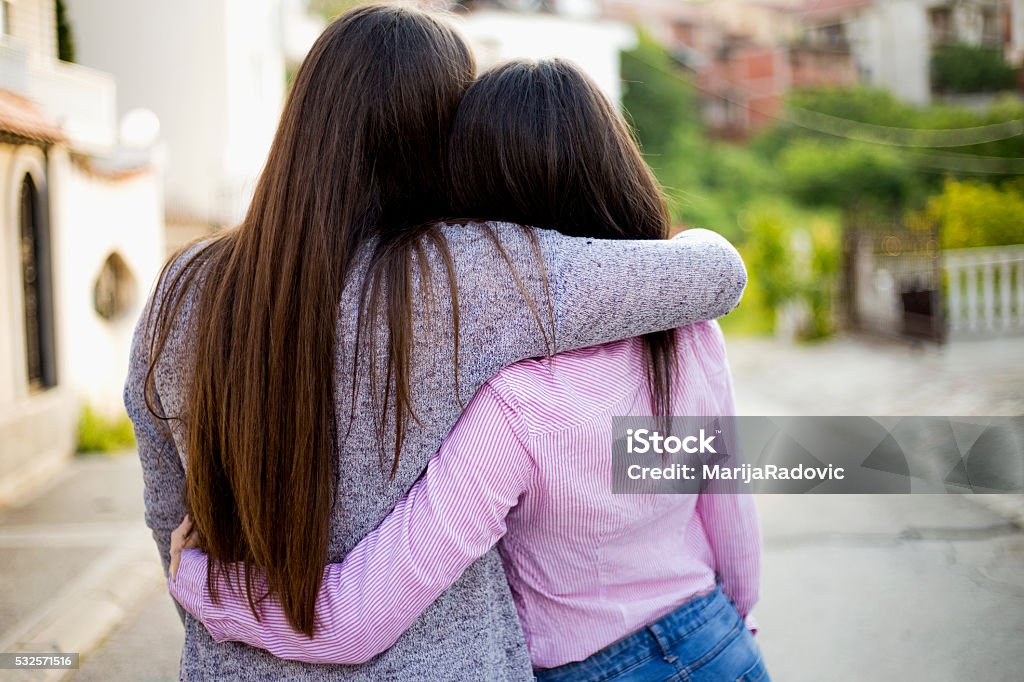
(163, 474)
(605, 290)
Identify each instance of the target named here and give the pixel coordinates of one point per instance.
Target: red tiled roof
(24, 118)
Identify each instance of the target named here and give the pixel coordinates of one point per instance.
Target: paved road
(146, 647)
(864, 377)
(855, 588)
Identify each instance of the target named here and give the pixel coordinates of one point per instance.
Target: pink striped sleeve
(730, 519)
(452, 516)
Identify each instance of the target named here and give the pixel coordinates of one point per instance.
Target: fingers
(175, 560)
(181, 537)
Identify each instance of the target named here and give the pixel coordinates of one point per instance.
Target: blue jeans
(704, 640)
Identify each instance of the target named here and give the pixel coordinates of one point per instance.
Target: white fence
(985, 289)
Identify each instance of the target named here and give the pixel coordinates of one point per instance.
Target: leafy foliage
(100, 433)
(971, 213)
(780, 196)
(968, 68)
(65, 38)
(659, 103)
(847, 173)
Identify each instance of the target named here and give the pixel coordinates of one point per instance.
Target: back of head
(358, 155)
(538, 143)
(369, 114)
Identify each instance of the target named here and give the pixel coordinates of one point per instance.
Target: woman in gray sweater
(291, 377)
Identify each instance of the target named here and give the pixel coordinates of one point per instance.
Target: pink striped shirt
(528, 464)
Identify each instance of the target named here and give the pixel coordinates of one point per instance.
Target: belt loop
(658, 632)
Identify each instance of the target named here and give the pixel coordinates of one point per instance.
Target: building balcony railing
(993, 39)
(839, 46)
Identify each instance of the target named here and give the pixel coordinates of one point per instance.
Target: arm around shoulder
(605, 290)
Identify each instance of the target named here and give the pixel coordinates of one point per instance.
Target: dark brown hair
(537, 143)
(358, 158)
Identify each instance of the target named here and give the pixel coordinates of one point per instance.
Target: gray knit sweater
(599, 290)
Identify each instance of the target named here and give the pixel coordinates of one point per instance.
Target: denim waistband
(654, 639)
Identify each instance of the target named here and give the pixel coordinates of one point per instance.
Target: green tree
(970, 68)
(658, 100)
(65, 37)
(847, 174)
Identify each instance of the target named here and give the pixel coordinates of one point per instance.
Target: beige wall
(36, 428)
(34, 24)
(93, 217)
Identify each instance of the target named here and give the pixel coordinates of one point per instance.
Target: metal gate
(892, 277)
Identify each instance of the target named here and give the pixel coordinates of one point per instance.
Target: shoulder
(704, 366)
(570, 388)
(181, 274)
(704, 338)
(166, 320)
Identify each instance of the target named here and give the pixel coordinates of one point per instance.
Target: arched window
(37, 289)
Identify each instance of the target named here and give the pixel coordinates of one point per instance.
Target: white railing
(985, 289)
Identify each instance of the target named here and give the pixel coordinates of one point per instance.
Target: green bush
(787, 262)
(820, 289)
(709, 184)
(969, 68)
(865, 104)
(847, 173)
(770, 262)
(100, 433)
(971, 213)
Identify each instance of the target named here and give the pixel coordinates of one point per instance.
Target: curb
(84, 612)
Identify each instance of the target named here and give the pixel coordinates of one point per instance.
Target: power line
(911, 138)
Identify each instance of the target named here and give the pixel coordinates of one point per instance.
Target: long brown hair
(358, 158)
(537, 143)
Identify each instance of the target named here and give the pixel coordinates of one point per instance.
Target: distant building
(891, 42)
(213, 71)
(570, 29)
(82, 241)
(745, 55)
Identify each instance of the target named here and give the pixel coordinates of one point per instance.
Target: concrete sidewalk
(855, 588)
(888, 587)
(75, 559)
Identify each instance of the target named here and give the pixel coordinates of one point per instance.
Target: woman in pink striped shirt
(607, 586)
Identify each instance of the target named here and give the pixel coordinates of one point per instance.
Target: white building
(575, 32)
(891, 41)
(81, 242)
(213, 71)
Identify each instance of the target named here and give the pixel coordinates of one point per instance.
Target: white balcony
(82, 101)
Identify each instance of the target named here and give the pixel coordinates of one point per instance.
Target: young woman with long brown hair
(292, 376)
(527, 464)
